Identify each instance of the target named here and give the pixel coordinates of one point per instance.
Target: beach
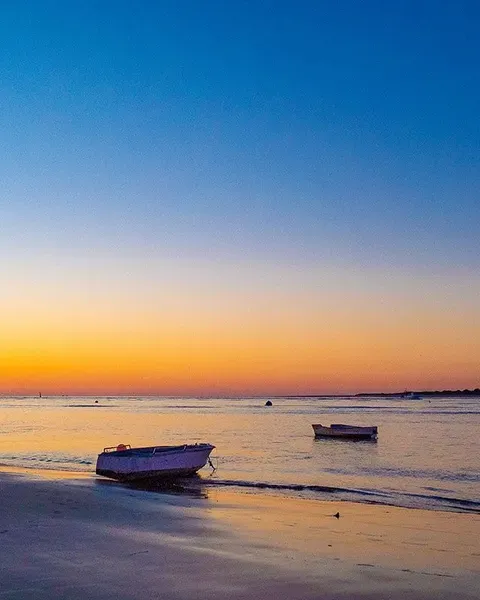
(72, 536)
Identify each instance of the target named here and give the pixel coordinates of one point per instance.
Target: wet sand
(70, 538)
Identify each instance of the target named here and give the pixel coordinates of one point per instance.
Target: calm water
(427, 453)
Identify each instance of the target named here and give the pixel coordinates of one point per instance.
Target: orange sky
(326, 333)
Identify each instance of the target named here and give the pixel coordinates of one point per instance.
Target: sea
(426, 455)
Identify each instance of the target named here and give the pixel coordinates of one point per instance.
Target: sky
(239, 198)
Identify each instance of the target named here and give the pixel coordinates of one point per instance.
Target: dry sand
(88, 538)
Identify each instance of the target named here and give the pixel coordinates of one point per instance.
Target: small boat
(125, 463)
(347, 432)
(412, 396)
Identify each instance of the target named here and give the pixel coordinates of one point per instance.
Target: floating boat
(411, 396)
(125, 463)
(338, 430)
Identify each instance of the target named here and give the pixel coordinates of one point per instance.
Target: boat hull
(155, 462)
(346, 432)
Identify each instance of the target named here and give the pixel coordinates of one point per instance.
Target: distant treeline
(475, 392)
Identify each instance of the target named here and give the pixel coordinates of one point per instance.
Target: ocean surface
(426, 456)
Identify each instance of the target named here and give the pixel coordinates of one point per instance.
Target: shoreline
(88, 537)
(315, 493)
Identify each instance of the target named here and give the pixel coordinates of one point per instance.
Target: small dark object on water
(337, 515)
(268, 403)
(96, 401)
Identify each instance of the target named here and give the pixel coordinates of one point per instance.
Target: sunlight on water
(425, 454)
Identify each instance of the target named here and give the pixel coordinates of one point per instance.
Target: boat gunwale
(153, 450)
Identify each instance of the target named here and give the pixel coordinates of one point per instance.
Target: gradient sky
(239, 197)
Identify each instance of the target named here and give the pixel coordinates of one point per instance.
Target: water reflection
(388, 536)
(417, 452)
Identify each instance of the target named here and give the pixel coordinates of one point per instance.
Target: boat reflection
(191, 487)
(335, 440)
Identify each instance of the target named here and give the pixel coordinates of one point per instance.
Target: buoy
(268, 403)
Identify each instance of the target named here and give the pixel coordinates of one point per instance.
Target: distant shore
(90, 538)
(475, 392)
(427, 393)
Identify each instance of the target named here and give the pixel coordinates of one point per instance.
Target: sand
(88, 538)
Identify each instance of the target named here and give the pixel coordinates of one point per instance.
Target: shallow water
(426, 454)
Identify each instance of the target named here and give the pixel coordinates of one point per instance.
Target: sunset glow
(269, 339)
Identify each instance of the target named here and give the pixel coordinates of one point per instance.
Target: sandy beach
(66, 538)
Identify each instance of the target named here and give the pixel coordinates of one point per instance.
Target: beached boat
(338, 430)
(154, 462)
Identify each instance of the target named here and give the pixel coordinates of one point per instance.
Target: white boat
(338, 430)
(154, 462)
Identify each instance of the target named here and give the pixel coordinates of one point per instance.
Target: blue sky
(287, 126)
